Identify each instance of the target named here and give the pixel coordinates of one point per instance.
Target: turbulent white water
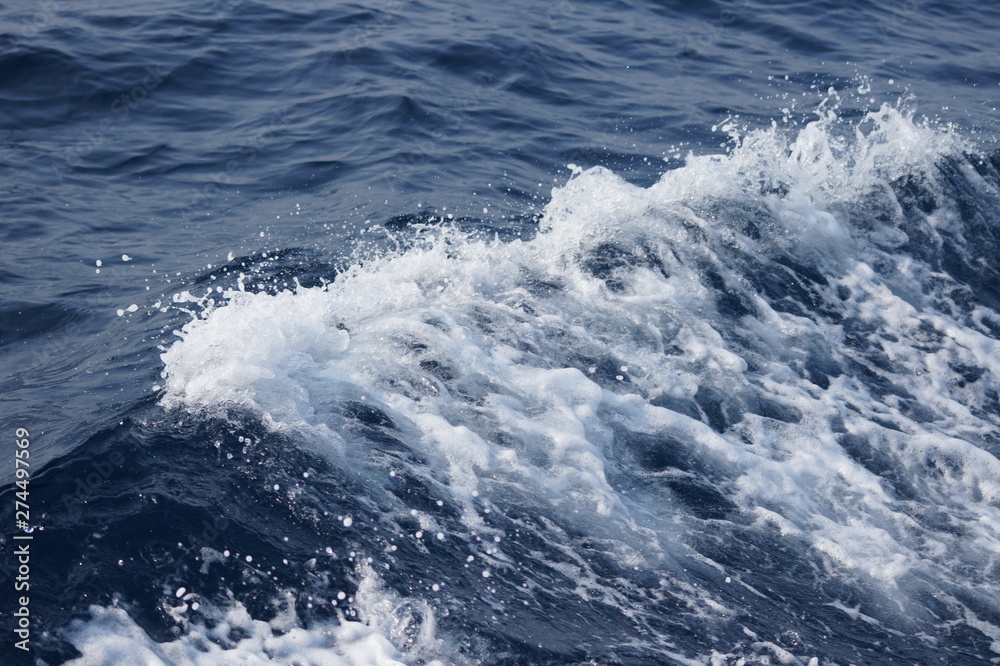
(234, 637)
(768, 342)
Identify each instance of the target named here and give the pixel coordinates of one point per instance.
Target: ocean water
(571, 333)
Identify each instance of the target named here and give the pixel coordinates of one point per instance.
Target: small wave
(792, 341)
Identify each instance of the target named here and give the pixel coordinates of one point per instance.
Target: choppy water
(614, 333)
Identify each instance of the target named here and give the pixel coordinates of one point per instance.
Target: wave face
(728, 400)
(748, 414)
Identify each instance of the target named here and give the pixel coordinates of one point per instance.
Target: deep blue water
(503, 333)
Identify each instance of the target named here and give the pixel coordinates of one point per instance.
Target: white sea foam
(232, 636)
(517, 366)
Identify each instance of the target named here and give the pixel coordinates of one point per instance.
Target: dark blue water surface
(586, 332)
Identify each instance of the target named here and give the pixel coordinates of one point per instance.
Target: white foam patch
(487, 355)
(111, 637)
(378, 638)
